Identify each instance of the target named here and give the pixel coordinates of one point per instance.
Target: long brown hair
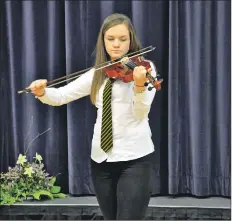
(100, 51)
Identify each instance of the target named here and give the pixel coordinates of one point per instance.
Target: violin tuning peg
(158, 77)
(146, 84)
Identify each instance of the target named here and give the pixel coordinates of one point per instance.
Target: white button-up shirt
(131, 130)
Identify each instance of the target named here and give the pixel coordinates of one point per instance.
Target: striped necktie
(106, 129)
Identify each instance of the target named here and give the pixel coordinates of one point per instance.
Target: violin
(121, 68)
(124, 71)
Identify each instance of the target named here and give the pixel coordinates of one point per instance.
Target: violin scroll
(155, 81)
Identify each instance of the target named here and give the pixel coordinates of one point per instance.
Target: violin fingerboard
(130, 64)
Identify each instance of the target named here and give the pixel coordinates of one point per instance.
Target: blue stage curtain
(190, 116)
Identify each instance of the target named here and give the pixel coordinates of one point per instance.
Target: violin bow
(79, 73)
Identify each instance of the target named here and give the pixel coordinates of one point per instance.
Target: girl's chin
(115, 57)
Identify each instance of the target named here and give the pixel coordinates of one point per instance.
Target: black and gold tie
(106, 129)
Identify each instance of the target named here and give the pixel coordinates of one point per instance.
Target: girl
(122, 148)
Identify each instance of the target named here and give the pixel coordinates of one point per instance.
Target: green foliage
(27, 180)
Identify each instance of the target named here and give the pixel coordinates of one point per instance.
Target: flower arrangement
(27, 181)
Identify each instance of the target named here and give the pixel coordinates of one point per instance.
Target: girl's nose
(116, 43)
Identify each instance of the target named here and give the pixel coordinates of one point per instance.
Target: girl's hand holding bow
(38, 87)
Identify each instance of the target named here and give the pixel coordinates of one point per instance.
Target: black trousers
(123, 189)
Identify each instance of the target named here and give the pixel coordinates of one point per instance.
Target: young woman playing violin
(122, 148)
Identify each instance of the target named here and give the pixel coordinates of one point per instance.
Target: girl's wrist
(139, 88)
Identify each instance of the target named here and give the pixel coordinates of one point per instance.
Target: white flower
(29, 171)
(21, 159)
(38, 157)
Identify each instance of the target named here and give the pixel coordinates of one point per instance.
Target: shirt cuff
(143, 97)
(46, 98)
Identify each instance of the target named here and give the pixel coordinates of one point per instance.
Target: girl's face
(117, 41)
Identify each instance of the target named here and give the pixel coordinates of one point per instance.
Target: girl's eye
(111, 39)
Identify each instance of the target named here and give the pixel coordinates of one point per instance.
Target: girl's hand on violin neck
(38, 87)
(139, 75)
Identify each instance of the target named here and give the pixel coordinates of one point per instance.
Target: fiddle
(124, 71)
(121, 68)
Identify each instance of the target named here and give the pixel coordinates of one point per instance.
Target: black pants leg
(123, 188)
(105, 185)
